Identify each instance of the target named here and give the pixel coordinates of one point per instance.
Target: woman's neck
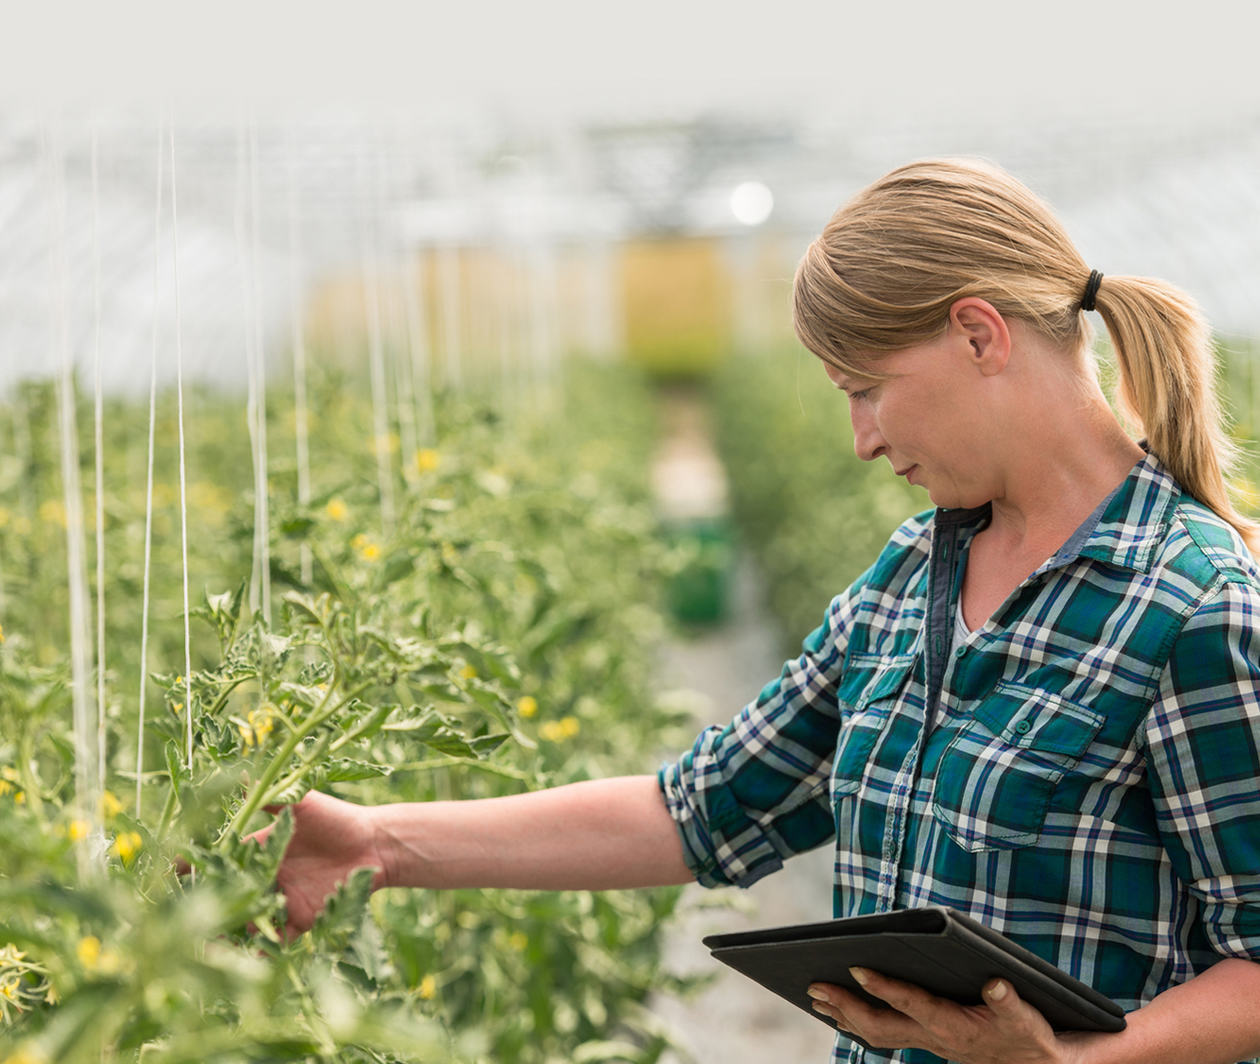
(1056, 480)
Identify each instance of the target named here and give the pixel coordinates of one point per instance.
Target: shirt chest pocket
(996, 777)
(867, 699)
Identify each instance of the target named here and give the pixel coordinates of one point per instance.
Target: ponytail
(1167, 384)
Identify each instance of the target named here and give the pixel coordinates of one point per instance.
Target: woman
(1038, 706)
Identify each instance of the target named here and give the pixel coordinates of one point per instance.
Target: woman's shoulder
(905, 552)
(1204, 546)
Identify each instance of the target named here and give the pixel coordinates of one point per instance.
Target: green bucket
(704, 557)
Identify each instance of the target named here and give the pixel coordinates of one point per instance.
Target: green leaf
(346, 907)
(343, 770)
(175, 767)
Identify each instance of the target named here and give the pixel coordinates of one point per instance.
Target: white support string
(301, 428)
(418, 346)
(450, 289)
(148, 499)
(85, 774)
(402, 368)
(99, 416)
(247, 318)
(376, 360)
(255, 410)
(262, 494)
(183, 473)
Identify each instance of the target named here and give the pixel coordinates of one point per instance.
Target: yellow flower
(53, 511)
(555, 731)
(260, 725)
(366, 546)
(5, 787)
(23, 1055)
(428, 987)
(1, 633)
(78, 830)
(89, 951)
(527, 706)
(20, 798)
(337, 510)
(177, 708)
(10, 954)
(110, 805)
(427, 460)
(468, 673)
(518, 940)
(9, 988)
(126, 845)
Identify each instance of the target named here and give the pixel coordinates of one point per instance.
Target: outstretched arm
(594, 835)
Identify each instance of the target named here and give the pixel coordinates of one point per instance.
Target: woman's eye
(862, 394)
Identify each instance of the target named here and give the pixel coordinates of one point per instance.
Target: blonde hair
(891, 262)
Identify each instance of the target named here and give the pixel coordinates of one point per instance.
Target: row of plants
(812, 514)
(493, 634)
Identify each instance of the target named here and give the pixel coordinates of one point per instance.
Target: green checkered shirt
(1080, 773)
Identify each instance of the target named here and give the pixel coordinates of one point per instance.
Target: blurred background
(562, 179)
(465, 198)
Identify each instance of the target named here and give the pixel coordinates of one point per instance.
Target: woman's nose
(867, 441)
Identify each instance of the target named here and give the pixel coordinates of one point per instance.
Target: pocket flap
(1034, 719)
(869, 681)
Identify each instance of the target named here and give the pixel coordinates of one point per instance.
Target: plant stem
(260, 793)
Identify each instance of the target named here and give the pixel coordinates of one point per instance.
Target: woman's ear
(977, 323)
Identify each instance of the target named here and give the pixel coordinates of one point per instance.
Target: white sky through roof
(566, 58)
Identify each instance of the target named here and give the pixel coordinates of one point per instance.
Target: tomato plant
(494, 633)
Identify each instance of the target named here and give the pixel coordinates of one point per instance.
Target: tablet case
(943, 951)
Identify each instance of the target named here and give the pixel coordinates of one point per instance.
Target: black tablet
(941, 950)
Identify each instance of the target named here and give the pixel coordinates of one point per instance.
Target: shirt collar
(1124, 529)
(1134, 519)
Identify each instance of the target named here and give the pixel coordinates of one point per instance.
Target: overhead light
(751, 202)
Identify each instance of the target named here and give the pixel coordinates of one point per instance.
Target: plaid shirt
(1080, 773)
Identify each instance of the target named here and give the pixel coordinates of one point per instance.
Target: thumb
(1000, 996)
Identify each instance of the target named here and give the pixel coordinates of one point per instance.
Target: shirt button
(960, 651)
(1023, 727)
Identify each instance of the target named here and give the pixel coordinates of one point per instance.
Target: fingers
(874, 1024)
(906, 998)
(920, 1019)
(823, 1003)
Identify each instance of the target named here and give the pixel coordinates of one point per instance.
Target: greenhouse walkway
(733, 1020)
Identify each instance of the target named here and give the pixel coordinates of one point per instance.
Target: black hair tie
(1091, 290)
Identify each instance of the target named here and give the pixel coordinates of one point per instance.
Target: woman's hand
(331, 838)
(1004, 1030)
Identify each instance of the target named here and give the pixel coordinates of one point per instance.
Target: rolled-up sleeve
(1203, 758)
(755, 792)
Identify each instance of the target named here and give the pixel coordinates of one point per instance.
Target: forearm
(594, 835)
(1212, 1019)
